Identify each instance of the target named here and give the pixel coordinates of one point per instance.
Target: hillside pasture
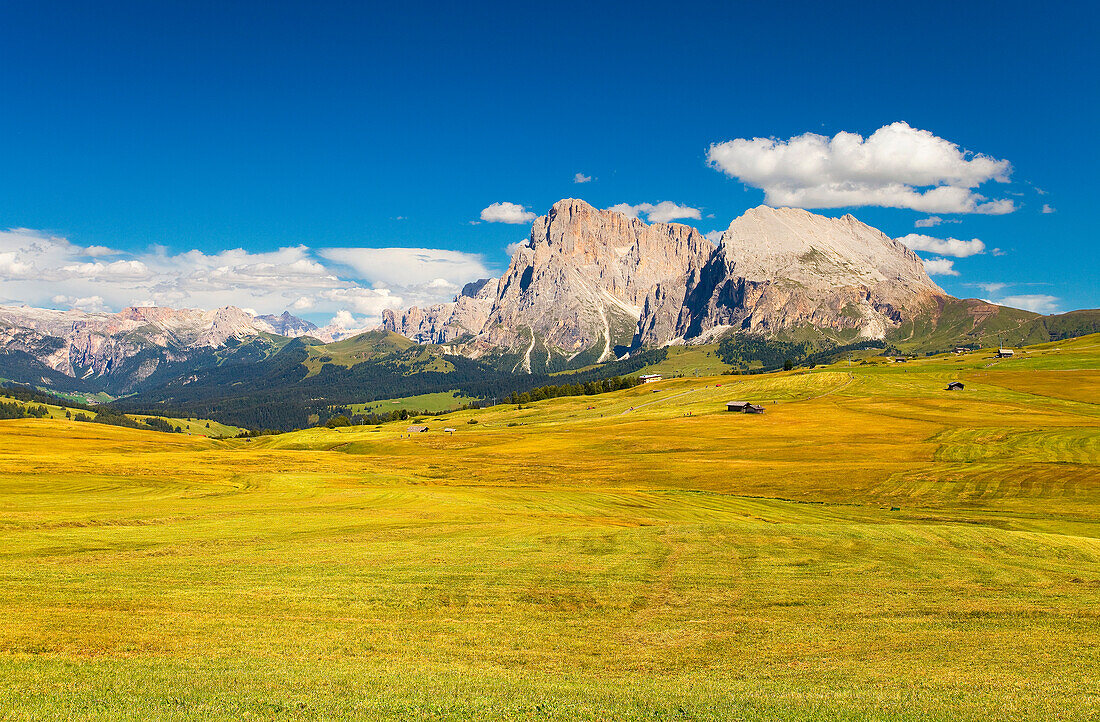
(871, 547)
(438, 401)
(194, 426)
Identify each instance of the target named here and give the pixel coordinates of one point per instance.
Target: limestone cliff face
(446, 322)
(782, 268)
(580, 283)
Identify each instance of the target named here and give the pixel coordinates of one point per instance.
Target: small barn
(650, 378)
(738, 406)
(417, 429)
(1004, 353)
(955, 386)
(754, 409)
(900, 360)
(448, 430)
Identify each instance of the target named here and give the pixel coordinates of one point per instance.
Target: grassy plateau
(872, 547)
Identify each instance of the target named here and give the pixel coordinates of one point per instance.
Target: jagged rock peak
(784, 268)
(766, 243)
(445, 322)
(581, 281)
(474, 288)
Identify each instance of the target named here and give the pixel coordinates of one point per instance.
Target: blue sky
(142, 143)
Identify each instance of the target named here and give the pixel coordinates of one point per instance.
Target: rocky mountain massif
(446, 322)
(781, 270)
(123, 349)
(576, 290)
(570, 296)
(593, 284)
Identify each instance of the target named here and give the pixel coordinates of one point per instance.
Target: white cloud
(367, 301)
(511, 248)
(116, 271)
(1037, 302)
(940, 267)
(100, 251)
(995, 208)
(342, 319)
(45, 270)
(507, 213)
(88, 303)
(12, 267)
(25, 253)
(408, 266)
(944, 246)
(662, 212)
(990, 287)
(345, 324)
(582, 178)
(714, 237)
(1047, 208)
(896, 167)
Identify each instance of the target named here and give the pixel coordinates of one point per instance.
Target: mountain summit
(578, 286)
(780, 269)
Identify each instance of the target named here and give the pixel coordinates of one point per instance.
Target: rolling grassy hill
(195, 426)
(873, 546)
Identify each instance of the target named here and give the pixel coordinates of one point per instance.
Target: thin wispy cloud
(896, 167)
(582, 178)
(993, 288)
(932, 221)
(1037, 302)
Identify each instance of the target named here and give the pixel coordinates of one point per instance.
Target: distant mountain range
(589, 287)
(119, 351)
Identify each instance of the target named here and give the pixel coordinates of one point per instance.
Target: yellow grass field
(872, 547)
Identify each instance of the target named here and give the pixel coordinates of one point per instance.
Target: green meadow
(193, 426)
(873, 546)
(438, 401)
